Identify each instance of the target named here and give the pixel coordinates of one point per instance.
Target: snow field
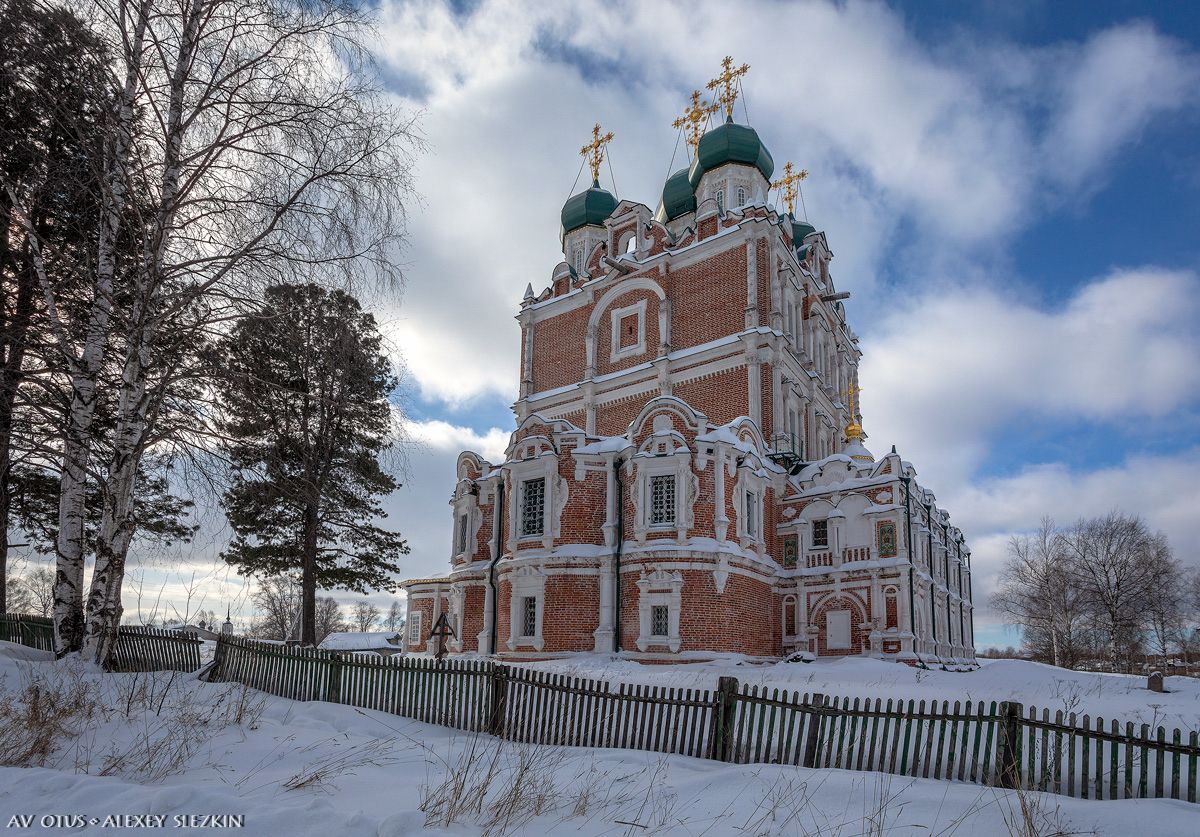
(324, 769)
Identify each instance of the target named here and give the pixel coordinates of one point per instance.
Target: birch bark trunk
(116, 531)
(70, 545)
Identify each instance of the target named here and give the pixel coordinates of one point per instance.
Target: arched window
(720, 200)
(741, 196)
(578, 258)
(789, 616)
(631, 243)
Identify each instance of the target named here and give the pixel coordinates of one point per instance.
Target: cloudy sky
(1011, 192)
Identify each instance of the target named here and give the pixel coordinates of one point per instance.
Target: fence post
(812, 731)
(333, 686)
(498, 694)
(1008, 761)
(722, 722)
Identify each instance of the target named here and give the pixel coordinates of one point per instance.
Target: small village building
(689, 474)
(383, 643)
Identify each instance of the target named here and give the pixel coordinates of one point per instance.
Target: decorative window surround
(638, 309)
(526, 582)
(664, 453)
(659, 588)
(534, 458)
(750, 531)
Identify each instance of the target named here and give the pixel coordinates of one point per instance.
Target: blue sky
(1011, 192)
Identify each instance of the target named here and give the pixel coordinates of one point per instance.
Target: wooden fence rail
(137, 648)
(34, 631)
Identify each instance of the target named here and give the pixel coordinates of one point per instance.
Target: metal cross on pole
(442, 629)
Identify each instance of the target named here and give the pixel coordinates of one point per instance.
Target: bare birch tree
(258, 146)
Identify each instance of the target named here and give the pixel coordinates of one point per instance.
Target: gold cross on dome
(693, 118)
(788, 184)
(595, 150)
(726, 80)
(853, 429)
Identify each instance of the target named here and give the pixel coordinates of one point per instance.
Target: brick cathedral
(688, 476)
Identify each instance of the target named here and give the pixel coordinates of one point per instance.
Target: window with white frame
(662, 500)
(462, 533)
(578, 259)
(752, 512)
(660, 621)
(628, 331)
(659, 599)
(529, 616)
(820, 533)
(533, 506)
(720, 200)
(414, 628)
(741, 196)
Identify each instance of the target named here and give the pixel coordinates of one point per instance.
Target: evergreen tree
(305, 415)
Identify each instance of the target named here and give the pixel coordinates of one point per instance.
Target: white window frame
(413, 626)
(577, 260)
(617, 314)
(674, 460)
(750, 532)
(719, 196)
(536, 460)
(741, 195)
(655, 610)
(538, 535)
(814, 543)
(528, 631)
(525, 582)
(659, 588)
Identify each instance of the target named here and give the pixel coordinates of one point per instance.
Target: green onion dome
(799, 230)
(730, 143)
(593, 206)
(678, 197)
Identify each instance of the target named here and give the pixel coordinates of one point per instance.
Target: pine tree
(306, 417)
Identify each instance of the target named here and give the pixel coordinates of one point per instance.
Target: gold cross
(726, 80)
(853, 429)
(788, 184)
(595, 149)
(696, 115)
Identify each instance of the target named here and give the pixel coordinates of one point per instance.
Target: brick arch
(858, 637)
(623, 287)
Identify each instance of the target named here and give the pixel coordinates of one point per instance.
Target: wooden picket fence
(137, 648)
(999, 744)
(25, 629)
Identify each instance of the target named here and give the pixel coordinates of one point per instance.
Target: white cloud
(945, 371)
(1108, 91)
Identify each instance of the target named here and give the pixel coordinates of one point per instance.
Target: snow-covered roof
(354, 641)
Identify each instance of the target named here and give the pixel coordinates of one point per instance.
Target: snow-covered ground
(171, 745)
(1108, 695)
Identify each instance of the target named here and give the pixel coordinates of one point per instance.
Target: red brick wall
(474, 598)
(722, 396)
(571, 612)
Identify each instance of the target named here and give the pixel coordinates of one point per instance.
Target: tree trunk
(308, 580)
(68, 585)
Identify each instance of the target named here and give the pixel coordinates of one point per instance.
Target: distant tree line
(1103, 592)
(277, 601)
